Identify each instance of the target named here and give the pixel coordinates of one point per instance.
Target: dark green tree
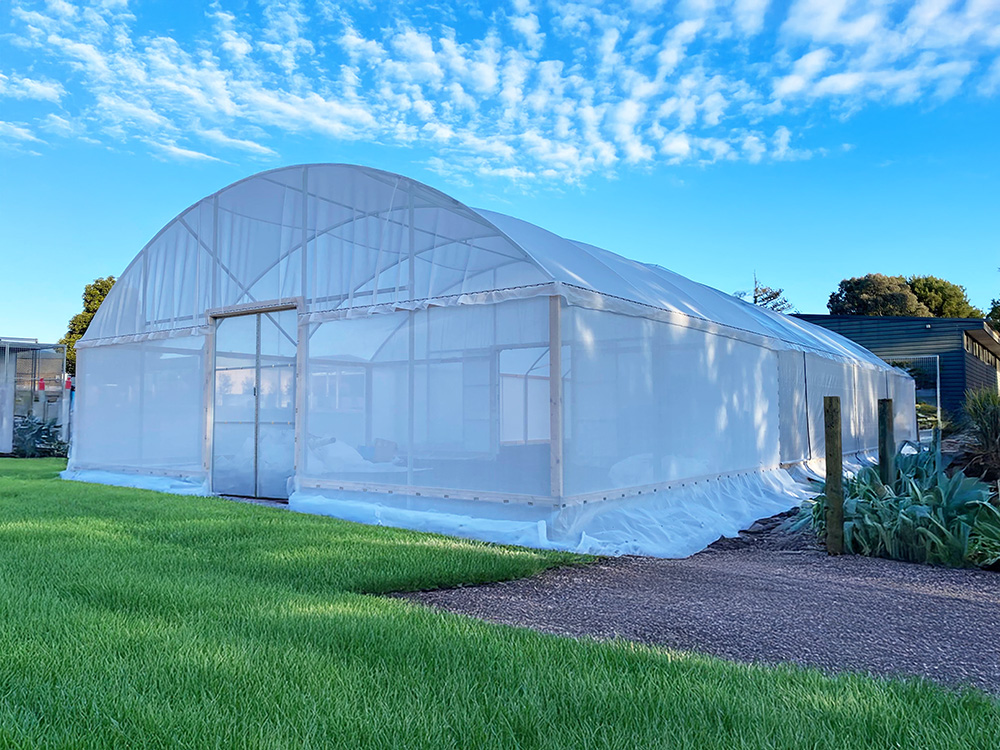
(876, 294)
(765, 296)
(993, 316)
(942, 298)
(93, 296)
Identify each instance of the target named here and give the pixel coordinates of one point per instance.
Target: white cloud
(173, 151)
(221, 139)
(754, 148)
(16, 132)
(749, 15)
(836, 21)
(781, 148)
(675, 43)
(530, 91)
(61, 126)
(625, 122)
(990, 84)
(528, 27)
(17, 87)
(804, 71)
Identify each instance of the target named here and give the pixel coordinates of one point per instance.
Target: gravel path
(761, 603)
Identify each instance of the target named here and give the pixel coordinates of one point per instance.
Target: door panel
(254, 425)
(276, 459)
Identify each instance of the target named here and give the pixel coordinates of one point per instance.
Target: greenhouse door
(253, 443)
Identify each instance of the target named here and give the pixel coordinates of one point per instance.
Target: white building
(32, 384)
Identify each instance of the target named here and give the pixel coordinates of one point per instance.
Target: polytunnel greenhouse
(367, 347)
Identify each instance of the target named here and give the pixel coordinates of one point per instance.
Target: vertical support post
(304, 265)
(410, 391)
(555, 397)
(140, 448)
(936, 447)
(886, 442)
(301, 415)
(834, 476)
(411, 323)
(805, 397)
(208, 358)
(256, 415)
(369, 383)
(64, 394)
(411, 260)
(34, 382)
(937, 388)
(7, 383)
(215, 295)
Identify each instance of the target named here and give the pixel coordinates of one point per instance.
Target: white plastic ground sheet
(372, 349)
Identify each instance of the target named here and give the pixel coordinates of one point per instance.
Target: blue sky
(808, 140)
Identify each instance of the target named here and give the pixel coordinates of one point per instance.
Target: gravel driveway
(753, 602)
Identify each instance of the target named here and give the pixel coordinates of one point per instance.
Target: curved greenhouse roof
(377, 239)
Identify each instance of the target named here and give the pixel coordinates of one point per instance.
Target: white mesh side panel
(141, 406)
(792, 408)
(859, 389)
(6, 402)
(652, 402)
(902, 391)
(461, 431)
(869, 388)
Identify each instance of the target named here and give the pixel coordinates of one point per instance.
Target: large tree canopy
(942, 298)
(93, 296)
(876, 294)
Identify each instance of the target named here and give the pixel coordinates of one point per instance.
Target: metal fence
(926, 372)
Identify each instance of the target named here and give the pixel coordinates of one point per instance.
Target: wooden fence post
(886, 442)
(834, 477)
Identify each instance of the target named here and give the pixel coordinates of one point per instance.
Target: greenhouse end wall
(141, 408)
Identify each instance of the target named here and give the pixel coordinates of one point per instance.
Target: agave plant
(922, 516)
(982, 407)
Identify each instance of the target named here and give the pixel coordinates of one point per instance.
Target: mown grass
(133, 619)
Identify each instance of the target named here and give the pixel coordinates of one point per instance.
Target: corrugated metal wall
(899, 337)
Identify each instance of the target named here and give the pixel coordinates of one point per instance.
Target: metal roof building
(966, 350)
(32, 378)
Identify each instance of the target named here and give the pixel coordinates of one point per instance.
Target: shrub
(982, 407)
(34, 438)
(923, 516)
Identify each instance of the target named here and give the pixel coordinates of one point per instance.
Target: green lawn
(134, 619)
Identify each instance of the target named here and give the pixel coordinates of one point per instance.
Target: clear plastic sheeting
(674, 523)
(384, 353)
(168, 484)
(141, 407)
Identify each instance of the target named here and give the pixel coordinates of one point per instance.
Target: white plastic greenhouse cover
(379, 351)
